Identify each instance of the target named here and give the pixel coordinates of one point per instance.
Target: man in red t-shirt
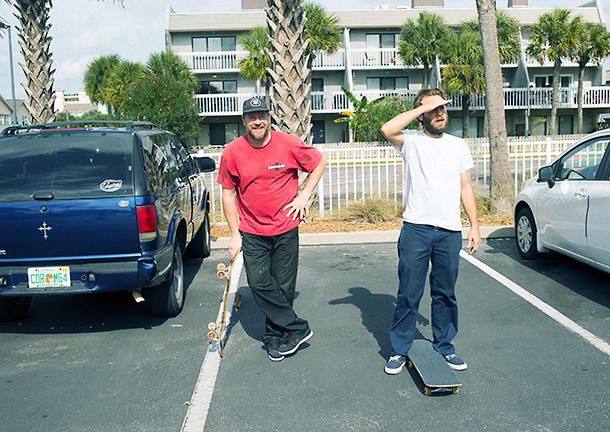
(259, 177)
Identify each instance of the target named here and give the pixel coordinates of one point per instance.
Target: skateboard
(217, 329)
(432, 368)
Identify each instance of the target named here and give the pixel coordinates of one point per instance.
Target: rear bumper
(91, 277)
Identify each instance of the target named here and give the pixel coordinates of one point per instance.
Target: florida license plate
(49, 277)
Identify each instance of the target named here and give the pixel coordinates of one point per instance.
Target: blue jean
(421, 247)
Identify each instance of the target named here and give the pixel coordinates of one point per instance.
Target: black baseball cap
(254, 104)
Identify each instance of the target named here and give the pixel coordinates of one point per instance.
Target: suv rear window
(70, 165)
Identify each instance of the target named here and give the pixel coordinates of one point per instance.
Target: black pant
(271, 264)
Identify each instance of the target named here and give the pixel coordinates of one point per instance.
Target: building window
(387, 83)
(223, 133)
(374, 40)
(547, 81)
(213, 44)
(217, 87)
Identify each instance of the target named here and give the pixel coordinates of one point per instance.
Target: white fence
(356, 171)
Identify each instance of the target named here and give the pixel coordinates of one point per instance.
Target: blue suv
(89, 207)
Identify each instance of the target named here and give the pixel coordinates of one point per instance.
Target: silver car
(566, 208)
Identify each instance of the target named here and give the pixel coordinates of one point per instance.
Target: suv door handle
(581, 193)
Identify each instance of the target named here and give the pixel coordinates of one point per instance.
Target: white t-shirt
(432, 178)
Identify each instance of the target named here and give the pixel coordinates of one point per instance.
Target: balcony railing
(219, 61)
(336, 102)
(367, 58)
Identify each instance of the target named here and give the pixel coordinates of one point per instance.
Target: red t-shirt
(266, 180)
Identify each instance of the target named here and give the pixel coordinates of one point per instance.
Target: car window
(71, 165)
(159, 167)
(182, 154)
(583, 162)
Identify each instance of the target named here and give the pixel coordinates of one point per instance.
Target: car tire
(200, 246)
(526, 235)
(14, 308)
(167, 299)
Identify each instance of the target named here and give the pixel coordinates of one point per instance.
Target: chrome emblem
(44, 228)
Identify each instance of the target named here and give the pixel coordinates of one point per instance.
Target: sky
(83, 30)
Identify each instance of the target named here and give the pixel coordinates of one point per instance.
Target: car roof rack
(129, 125)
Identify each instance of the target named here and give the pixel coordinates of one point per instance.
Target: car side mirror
(546, 174)
(205, 164)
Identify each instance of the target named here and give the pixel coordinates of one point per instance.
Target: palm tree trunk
(289, 75)
(501, 191)
(465, 115)
(34, 41)
(555, 97)
(581, 78)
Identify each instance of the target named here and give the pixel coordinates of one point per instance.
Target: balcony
(213, 62)
(336, 102)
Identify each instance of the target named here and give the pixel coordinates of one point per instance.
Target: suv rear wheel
(14, 308)
(200, 246)
(167, 298)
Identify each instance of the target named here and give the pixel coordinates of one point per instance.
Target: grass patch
(371, 210)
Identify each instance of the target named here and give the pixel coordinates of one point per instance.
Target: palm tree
(254, 65)
(34, 41)
(322, 30)
(554, 37)
(121, 76)
(421, 41)
(497, 30)
(464, 73)
(289, 76)
(592, 44)
(96, 77)
(168, 63)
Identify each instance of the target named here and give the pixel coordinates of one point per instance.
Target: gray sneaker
(395, 364)
(272, 349)
(293, 341)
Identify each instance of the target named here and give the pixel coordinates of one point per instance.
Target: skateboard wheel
(220, 266)
(212, 335)
(456, 390)
(212, 326)
(410, 364)
(428, 391)
(221, 274)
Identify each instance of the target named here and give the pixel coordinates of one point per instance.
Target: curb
(353, 237)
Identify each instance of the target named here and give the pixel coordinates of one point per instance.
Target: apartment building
(368, 65)
(22, 115)
(73, 104)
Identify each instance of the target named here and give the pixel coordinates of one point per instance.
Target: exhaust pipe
(137, 296)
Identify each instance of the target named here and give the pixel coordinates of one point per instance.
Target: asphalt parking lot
(104, 365)
(527, 372)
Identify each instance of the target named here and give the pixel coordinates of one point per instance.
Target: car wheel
(200, 246)
(14, 308)
(526, 235)
(167, 298)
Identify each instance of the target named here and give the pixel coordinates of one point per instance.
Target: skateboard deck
(432, 368)
(217, 329)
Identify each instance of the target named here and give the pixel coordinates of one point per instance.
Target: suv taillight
(147, 221)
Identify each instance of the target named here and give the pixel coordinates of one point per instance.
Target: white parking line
(597, 342)
(199, 405)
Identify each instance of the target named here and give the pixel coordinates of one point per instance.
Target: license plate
(49, 277)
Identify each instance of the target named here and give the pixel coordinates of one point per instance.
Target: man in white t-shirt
(436, 180)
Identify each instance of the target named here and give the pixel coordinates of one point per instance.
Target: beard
(432, 129)
(258, 134)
